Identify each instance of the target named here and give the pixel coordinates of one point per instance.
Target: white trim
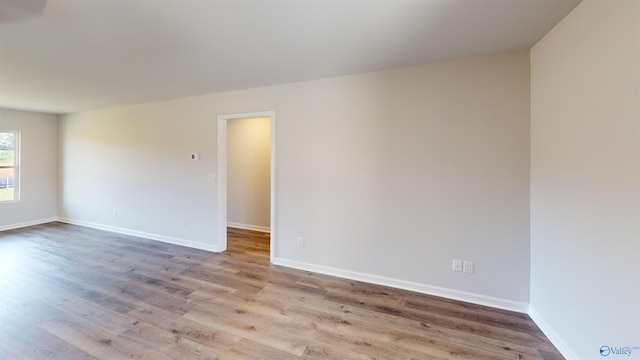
(141, 234)
(408, 285)
(248, 227)
(17, 166)
(272, 220)
(27, 223)
(221, 184)
(221, 188)
(564, 349)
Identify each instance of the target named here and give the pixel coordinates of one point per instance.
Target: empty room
(437, 179)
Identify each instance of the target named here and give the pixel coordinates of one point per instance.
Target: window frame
(15, 167)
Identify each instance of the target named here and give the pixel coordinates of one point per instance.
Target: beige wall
(388, 176)
(248, 173)
(38, 168)
(585, 180)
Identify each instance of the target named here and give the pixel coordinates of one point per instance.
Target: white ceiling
(87, 54)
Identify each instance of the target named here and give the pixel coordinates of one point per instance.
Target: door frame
(221, 184)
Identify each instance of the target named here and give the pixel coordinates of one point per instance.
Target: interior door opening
(246, 175)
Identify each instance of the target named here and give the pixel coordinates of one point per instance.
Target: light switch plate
(457, 265)
(468, 267)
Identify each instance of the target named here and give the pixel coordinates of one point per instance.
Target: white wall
(136, 161)
(585, 180)
(38, 170)
(388, 175)
(248, 173)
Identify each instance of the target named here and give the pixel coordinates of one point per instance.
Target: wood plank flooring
(70, 292)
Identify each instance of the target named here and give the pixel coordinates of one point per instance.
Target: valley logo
(622, 350)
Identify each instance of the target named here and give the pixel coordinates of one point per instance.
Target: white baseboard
(27, 223)
(564, 349)
(408, 285)
(479, 299)
(166, 239)
(374, 279)
(249, 227)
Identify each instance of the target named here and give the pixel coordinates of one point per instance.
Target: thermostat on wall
(195, 156)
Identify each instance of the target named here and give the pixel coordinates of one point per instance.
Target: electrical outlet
(300, 241)
(115, 212)
(457, 265)
(468, 267)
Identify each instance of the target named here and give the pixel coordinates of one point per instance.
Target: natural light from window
(8, 166)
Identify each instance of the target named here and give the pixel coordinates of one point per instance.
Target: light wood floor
(69, 292)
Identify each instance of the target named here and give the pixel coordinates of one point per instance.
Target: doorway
(222, 189)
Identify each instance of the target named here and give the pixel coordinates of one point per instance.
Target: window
(9, 152)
